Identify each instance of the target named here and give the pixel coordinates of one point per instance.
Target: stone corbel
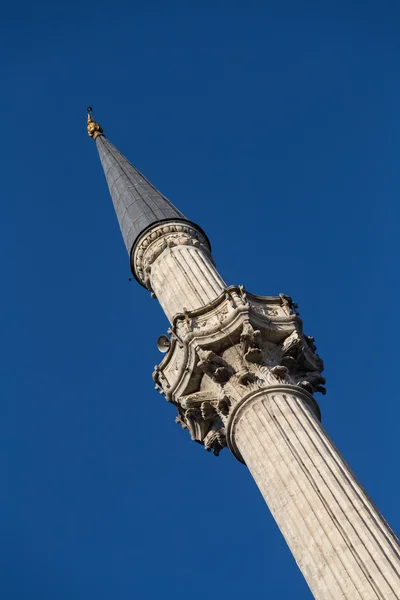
(214, 366)
(223, 404)
(205, 426)
(313, 382)
(292, 344)
(196, 425)
(300, 359)
(280, 372)
(197, 399)
(251, 343)
(207, 401)
(215, 440)
(301, 348)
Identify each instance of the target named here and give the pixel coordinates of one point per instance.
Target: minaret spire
(138, 204)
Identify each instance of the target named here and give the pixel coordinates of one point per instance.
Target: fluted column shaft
(174, 261)
(184, 278)
(340, 541)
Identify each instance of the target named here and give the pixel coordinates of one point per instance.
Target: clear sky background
(275, 126)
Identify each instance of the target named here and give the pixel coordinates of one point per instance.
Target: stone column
(241, 371)
(174, 262)
(340, 541)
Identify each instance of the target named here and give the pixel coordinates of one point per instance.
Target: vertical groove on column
(358, 529)
(324, 494)
(375, 515)
(168, 287)
(335, 461)
(181, 278)
(188, 278)
(337, 536)
(204, 268)
(212, 270)
(295, 524)
(196, 275)
(335, 567)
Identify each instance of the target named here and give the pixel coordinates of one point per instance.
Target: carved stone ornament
(214, 366)
(238, 344)
(251, 343)
(160, 238)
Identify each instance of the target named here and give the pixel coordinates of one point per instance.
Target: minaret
(241, 373)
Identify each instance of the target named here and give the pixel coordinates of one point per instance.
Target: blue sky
(276, 127)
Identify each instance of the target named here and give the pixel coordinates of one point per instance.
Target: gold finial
(93, 128)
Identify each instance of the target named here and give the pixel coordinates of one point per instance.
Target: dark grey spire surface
(138, 204)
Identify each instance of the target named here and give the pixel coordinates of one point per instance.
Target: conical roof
(138, 204)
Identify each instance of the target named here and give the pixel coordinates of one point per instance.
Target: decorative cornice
(231, 348)
(155, 240)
